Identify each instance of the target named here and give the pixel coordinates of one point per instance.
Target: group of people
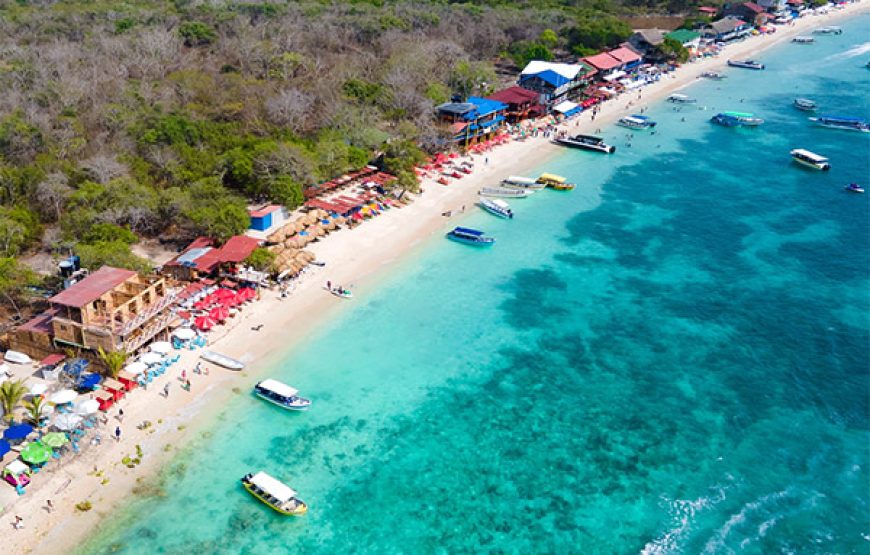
(338, 289)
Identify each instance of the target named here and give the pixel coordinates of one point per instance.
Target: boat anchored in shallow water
(555, 182)
(736, 119)
(274, 493)
(746, 64)
(713, 75)
(804, 104)
(803, 40)
(222, 360)
(281, 394)
(854, 188)
(829, 30)
(497, 207)
(810, 159)
(840, 122)
(519, 182)
(636, 122)
(470, 236)
(586, 142)
(678, 98)
(505, 192)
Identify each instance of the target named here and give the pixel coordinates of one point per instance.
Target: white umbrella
(88, 406)
(38, 389)
(150, 358)
(66, 421)
(161, 347)
(63, 396)
(136, 368)
(185, 334)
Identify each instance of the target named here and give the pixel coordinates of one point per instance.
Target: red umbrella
(224, 294)
(247, 293)
(204, 323)
(201, 305)
(219, 314)
(230, 302)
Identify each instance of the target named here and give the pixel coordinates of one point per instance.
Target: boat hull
(814, 166)
(282, 405)
(497, 212)
(474, 243)
(222, 360)
(300, 510)
(606, 149)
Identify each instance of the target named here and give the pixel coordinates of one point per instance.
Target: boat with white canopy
(274, 493)
(810, 159)
(281, 394)
(519, 182)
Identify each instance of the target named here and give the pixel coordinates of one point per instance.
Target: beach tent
(66, 421)
(88, 406)
(151, 358)
(161, 347)
(136, 368)
(54, 439)
(18, 431)
(63, 396)
(35, 453)
(184, 334)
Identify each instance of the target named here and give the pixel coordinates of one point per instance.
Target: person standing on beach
(329, 285)
(49, 505)
(166, 390)
(118, 434)
(187, 385)
(17, 524)
(120, 415)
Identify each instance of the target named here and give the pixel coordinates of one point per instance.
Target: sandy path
(351, 257)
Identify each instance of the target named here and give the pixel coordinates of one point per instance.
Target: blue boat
(725, 120)
(840, 122)
(470, 237)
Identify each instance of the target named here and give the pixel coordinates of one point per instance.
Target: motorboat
(470, 236)
(746, 64)
(713, 75)
(555, 182)
(803, 40)
(274, 493)
(854, 188)
(636, 122)
(804, 104)
(341, 292)
(829, 30)
(586, 142)
(505, 192)
(678, 98)
(222, 360)
(736, 119)
(17, 357)
(518, 182)
(810, 159)
(281, 394)
(839, 122)
(497, 207)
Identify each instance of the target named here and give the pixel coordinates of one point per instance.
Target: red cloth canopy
(219, 314)
(204, 323)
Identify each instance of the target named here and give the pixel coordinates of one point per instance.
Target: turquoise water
(670, 359)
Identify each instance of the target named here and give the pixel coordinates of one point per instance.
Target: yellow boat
(274, 493)
(556, 182)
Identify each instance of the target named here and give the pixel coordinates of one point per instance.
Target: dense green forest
(145, 118)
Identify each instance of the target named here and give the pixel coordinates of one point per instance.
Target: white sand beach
(353, 258)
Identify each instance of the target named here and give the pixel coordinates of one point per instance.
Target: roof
(754, 7)
(280, 388)
(476, 107)
(603, 61)
(726, 24)
(708, 9)
(625, 55)
(259, 213)
(514, 95)
(568, 71)
(92, 287)
(683, 35)
(550, 77)
(651, 36)
(17, 467)
(51, 360)
(238, 248)
(273, 487)
(565, 106)
(456, 108)
(40, 323)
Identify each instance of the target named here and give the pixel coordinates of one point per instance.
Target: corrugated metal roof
(92, 287)
(602, 61)
(263, 211)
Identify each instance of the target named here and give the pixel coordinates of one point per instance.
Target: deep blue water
(670, 359)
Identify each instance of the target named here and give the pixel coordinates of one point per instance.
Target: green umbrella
(36, 453)
(54, 439)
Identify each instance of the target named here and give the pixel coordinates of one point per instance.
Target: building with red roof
(522, 103)
(603, 62)
(201, 258)
(747, 11)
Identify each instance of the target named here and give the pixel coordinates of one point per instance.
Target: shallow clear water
(672, 358)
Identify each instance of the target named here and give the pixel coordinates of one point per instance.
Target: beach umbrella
(201, 305)
(66, 421)
(224, 294)
(63, 396)
(18, 431)
(4, 447)
(204, 323)
(88, 406)
(150, 358)
(248, 293)
(162, 347)
(54, 439)
(184, 334)
(220, 313)
(38, 389)
(136, 367)
(35, 453)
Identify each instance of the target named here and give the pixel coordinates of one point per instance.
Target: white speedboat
(275, 494)
(839, 122)
(746, 64)
(586, 142)
(504, 192)
(341, 293)
(803, 40)
(678, 98)
(281, 394)
(829, 30)
(222, 360)
(804, 104)
(497, 207)
(713, 75)
(810, 159)
(518, 182)
(636, 122)
(17, 357)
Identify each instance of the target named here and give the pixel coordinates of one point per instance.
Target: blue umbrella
(19, 431)
(4, 447)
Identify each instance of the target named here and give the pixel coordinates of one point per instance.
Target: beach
(354, 259)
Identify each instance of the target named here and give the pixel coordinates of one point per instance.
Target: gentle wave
(856, 51)
(683, 512)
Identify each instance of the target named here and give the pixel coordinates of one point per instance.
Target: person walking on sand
(49, 505)
(120, 415)
(187, 385)
(166, 390)
(118, 434)
(329, 285)
(18, 523)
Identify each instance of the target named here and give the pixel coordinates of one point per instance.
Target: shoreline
(355, 258)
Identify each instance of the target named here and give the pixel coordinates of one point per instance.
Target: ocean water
(670, 359)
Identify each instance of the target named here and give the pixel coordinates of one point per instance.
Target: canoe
(222, 360)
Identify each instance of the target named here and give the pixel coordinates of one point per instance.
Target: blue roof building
(474, 120)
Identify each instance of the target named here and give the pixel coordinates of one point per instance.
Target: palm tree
(114, 361)
(11, 393)
(34, 408)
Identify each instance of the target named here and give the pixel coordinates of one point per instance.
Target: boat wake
(855, 51)
(716, 544)
(683, 513)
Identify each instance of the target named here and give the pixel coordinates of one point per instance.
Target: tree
(110, 253)
(11, 393)
(674, 50)
(196, 33)
(114, 361)
(51, 196)
(108, 233)
(470, 77)
(212, 210)
(523, 52)
(35, 407)
(260, 259)
(14, 280)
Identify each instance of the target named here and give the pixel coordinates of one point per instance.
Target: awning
(615, 75)
(51, 360)
(564, 107)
